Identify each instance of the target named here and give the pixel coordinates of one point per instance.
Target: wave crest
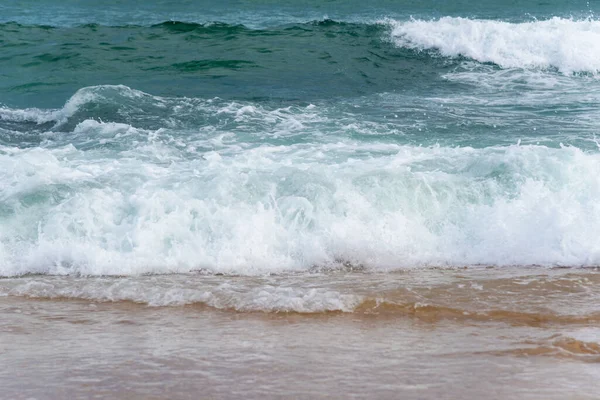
(564, 44)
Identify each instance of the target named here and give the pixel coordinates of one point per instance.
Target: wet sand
(494, 334)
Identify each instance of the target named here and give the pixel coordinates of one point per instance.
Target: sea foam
(271, 209)
(565, 44)
(263, 298)
(249, 189)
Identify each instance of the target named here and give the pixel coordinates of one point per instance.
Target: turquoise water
(256, 137)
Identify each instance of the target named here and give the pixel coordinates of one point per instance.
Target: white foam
(275, 208)
(263, 298)
(232, 197)
(565, 44)
(173, 113)
(36, 115)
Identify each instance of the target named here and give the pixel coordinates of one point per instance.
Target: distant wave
(564, 44)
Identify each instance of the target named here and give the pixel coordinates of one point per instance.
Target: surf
(567, 45)
(254, 190)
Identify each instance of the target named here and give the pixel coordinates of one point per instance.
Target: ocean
(312, 199)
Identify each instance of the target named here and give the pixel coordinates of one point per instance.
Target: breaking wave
(125, 183)
(564, 44)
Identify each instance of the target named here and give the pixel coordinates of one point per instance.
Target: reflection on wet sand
(429, 334)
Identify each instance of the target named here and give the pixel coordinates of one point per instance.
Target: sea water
(308, 157)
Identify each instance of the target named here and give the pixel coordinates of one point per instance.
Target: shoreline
(80, 349)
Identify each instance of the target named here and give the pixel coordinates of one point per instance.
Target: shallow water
(445, 334)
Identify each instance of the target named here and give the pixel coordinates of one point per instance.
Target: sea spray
(565, 44)
(117, 200)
